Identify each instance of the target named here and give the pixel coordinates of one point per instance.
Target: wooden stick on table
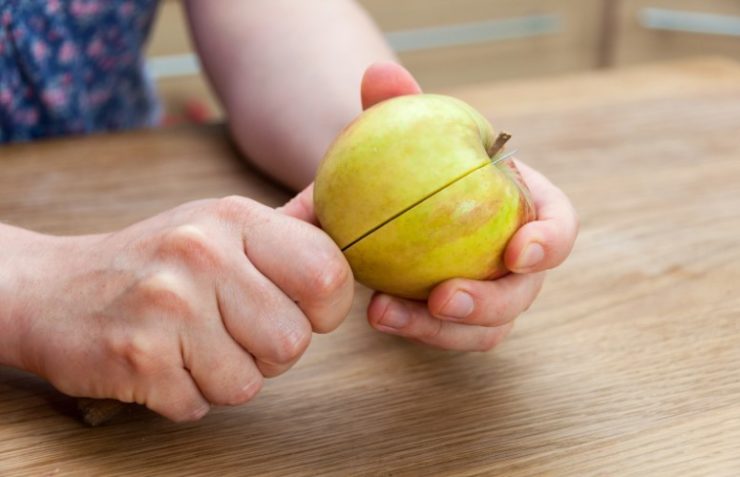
(96, 412)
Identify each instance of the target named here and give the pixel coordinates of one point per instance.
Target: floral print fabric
(73, 66)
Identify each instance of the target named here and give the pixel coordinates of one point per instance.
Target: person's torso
(73, 66)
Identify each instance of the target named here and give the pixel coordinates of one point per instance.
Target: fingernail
(531, 256)
(396, 315)
(202, 411)
(459, 306)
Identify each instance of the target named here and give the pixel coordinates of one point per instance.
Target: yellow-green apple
(413, 193)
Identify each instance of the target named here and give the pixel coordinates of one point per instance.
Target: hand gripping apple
(415, 191)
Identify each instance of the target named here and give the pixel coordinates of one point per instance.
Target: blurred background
(452, 43)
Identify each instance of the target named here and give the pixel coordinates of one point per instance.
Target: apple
(414, 192)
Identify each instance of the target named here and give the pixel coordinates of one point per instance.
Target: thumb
(301, 206)
(386, 80)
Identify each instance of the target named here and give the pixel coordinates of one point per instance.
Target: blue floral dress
(74, 66)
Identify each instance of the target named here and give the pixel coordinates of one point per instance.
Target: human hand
(186, 309)
(465, 314)
(472, 315)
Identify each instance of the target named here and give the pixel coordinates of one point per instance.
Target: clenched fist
(190, 308)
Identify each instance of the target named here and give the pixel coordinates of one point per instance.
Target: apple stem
(498, 144)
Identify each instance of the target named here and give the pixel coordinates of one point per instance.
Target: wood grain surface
(627, 364)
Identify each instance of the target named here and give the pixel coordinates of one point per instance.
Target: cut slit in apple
(492, 151)
(455, 241)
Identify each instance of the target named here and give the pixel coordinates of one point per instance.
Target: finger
(492, 338)
(174, 395)
(485, 303)
(546, 242)
(301, 206)
(385, 80)
(412, 320)
(223, 371)
(305, 264)
(263, 320)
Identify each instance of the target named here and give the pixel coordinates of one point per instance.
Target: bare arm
(12, 242)
(287, 73)
(8, 336)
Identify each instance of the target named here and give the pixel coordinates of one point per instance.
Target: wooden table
(628, 364)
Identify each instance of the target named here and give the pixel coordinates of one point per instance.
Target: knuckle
(330, 277)
(163, 292)
(233, 208)
(291, 345)
(188, 243)
(138, 352)
(247, 392)
(434, 332)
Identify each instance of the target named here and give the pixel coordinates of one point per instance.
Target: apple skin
(410, 195)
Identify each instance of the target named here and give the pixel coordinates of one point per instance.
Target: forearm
(288, 74)
(19, 250)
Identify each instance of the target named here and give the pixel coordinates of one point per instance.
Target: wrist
(30, 263)
(19, 252)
